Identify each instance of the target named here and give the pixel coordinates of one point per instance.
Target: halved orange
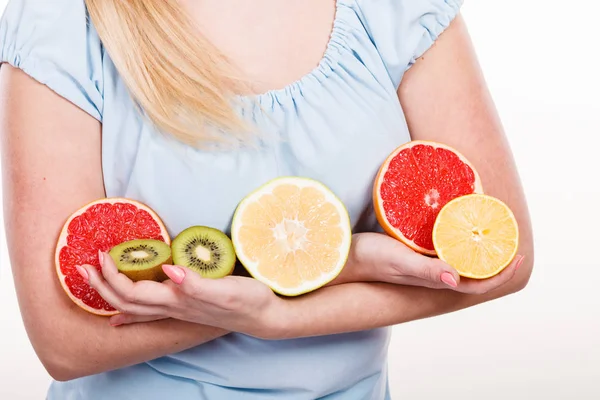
(293, 234)
(476, 234)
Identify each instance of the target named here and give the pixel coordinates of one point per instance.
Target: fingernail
(83, 273)
(175, 273)
(448, 279)
(519, 263)
(100, 257)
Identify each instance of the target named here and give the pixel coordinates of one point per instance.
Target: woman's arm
(445, 99)
(51, 165)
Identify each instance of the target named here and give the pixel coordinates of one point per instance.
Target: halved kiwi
(208, 251)
(142, 259)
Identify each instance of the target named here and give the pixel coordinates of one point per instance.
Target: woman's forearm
(360, 306)
(345, 307)
(89, 345)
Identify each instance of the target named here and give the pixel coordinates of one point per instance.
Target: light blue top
(338, 123)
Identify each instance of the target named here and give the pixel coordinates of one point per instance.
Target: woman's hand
(379, 257)
(232, 303)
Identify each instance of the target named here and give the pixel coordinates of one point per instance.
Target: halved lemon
(293, 234)
(476, 234)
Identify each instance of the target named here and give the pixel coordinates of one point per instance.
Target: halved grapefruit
(412, 186)
(97, 226)
(293, 234)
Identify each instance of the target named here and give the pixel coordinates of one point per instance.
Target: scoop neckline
(320, 68)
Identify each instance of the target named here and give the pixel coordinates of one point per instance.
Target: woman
(187, 107)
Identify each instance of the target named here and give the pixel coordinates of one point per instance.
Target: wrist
(274, 322)
(355, 270)
(360, 266)
(370, 260)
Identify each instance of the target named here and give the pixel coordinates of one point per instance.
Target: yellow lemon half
(476, 234)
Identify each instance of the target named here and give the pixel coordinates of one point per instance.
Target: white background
(541, 59)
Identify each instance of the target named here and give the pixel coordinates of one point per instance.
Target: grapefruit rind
(462, 270)
(378, 201)
(62, 241)
(252, 267)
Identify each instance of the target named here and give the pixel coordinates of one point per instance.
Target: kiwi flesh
(142, 259)
(205, 250)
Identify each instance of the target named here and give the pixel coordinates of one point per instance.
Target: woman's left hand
(233, 303)
(381, 258)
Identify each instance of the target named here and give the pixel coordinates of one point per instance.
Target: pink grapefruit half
(100, 225)
(412, 186)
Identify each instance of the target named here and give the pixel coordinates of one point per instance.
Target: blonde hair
(174, 74)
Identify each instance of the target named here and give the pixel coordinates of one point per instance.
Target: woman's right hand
(381, 258)
(233, 303)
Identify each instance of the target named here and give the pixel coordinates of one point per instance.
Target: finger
(476, 286)
(141, 292)
(412, 281)
(222, 292)
(97, 282)
(93, 278)
(127, 319)
(430, 269)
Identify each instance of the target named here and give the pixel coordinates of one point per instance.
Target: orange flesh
(293, 235)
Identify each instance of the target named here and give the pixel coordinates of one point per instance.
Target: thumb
(176, 273)
(432, 270)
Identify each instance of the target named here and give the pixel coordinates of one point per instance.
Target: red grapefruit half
(100, 225)
(413, 185)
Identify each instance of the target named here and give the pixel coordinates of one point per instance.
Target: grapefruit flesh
(99, 226)
(293, 234)
(477, 234)
(412, 186)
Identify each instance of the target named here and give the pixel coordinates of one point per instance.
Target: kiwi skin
(150, 272)
(198, 236)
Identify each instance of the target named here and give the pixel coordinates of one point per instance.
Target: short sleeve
(52, 42)
(403, 30)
